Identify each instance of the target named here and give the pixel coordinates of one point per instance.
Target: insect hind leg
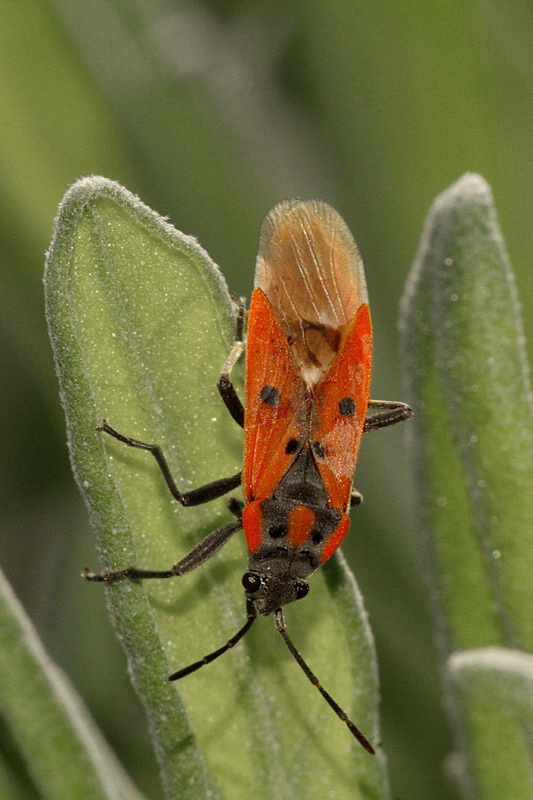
(393, 413)
(224, 385)
(199, 554)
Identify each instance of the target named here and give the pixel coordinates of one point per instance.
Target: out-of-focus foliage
(472, 443)
(211, 112)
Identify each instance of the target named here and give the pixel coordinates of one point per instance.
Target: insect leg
(198, 555)
(395, 412)
(224, 385)
(356, 498)
(251, 613)
(236, 507)
(279, 619)
(193, 498)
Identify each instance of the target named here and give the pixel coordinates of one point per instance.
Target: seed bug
(307, 390)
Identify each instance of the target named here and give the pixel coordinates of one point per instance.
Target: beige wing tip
(311, 271)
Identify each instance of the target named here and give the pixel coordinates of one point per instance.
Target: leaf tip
(470, 189)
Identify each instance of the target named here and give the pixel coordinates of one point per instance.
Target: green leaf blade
(473, 448)
(64, 753)
(141, 324)
(505, 677)
(101, 372)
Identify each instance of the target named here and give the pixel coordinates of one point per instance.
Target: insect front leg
(199, 554)
(193, 498)
(227, 391)
(394, 412)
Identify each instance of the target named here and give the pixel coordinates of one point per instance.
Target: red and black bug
(307, 389)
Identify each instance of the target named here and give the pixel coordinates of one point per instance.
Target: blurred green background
(211, 112)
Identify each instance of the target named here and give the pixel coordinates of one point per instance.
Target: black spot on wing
(270, 395)
(292, 447)
(347, 406)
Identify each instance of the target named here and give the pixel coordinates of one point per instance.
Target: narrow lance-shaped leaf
(473, 448)
(141, 323)
(503, 676)
(64, 753)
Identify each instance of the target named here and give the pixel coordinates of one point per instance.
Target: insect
(307, 390)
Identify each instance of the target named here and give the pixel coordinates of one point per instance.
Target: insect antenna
(280, 625)
(252, 614)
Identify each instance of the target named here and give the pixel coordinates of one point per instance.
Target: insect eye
(251, 581)
(302, 588)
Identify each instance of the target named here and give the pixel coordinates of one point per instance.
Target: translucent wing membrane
(310, 270)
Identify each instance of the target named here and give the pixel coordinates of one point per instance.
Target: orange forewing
(348, 376)
(268, 428)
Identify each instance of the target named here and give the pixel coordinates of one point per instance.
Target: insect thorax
(286, 542)
(288, 535)
(291, 533)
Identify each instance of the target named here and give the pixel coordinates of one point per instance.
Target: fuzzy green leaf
(141, 324)
(64, 753)
(473, 450)
(503, 676)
